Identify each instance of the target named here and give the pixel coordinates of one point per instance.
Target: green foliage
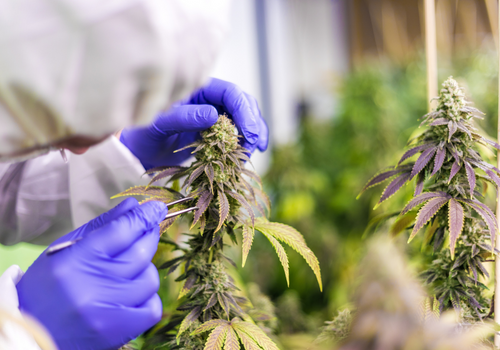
(227, 196)
(450, 166)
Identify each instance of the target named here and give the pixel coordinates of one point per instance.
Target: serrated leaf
(224, 304)
(232, 342)
(183, 291)
(294, 239)
(422, 161)
(202, 204)
(455, 168)
(216, 338)
(419, 186)
(439, 160)
(411, 152)
(209, 171)
(471, 177)
(493, 177)
(247, 234)
(211, 302)
(247, 341)
(381, 177)
(452, 128)
(490, 223)
(439, 121)
(188, 320)
(169, 171)
(393, 187)
(264, 198)
(193, 176)
(238, 197)
(209, 325)
(223, 209)
(280, 251)
(424, 197)
(426, 213)
(455, 223)
(191, 145)
(252, 175)
(151, 191)
(256, 334)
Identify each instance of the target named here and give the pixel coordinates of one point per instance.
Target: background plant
(211, 313)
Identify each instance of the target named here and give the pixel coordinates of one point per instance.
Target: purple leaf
(426, 213)
(422, 161)
(194, 175)
(379, 178)
(439, 121)
(486, 209)
(493, 177)
(411, 152)
(223, 209)
(209, 171)
(202, 204)
(424, 197)
(452, 127)
(420, 184)
(439, 160)
(244, 204)
(167, 172)
(464, 129)
(471, 177)
(492, 143)
(489, 221)
(455, 168)
(394, 186)
(455, 222)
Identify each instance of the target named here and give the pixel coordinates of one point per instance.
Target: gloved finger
(133, 292)
(119, 234)
(186, 118)
(233, 99)
(125, 206)
(136, 258)
(99, 221)
(263, 141)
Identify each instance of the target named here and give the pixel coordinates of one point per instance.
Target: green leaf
(247, 341)
(232, 342)
(188, 320)
(151, 191)
(223, 209)
(294, 239)
(256, 334)
(209, 325)
(281, 255)
(216, 339)
(402, 223)
(248, 234)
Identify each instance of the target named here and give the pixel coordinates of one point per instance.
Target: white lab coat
(86, 67)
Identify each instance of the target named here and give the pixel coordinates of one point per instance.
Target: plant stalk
(497, 241)
(431, 51)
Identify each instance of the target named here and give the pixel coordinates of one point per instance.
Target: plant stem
(431, 51)
(497, 241)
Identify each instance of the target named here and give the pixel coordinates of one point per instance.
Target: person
(77, 75)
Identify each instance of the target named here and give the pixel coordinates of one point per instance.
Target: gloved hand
(101, 292)
(180, 125)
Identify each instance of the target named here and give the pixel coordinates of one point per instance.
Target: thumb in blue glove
(101, 292)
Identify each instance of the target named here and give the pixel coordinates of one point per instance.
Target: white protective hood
(91, 67)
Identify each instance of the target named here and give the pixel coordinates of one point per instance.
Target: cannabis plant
(450, 177)
(212, 314)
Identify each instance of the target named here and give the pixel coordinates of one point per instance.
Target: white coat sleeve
(13, 335)
(44, 198)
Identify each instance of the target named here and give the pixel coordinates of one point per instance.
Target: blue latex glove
(154, 145)
(101, 292)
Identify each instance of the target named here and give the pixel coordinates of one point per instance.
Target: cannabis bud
(212, 313)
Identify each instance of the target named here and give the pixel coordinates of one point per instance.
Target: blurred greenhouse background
(342, 84)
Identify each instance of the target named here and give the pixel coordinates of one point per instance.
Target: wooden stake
(431, 51)
(497, 240)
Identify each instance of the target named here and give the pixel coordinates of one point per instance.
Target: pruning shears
(60, 246)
